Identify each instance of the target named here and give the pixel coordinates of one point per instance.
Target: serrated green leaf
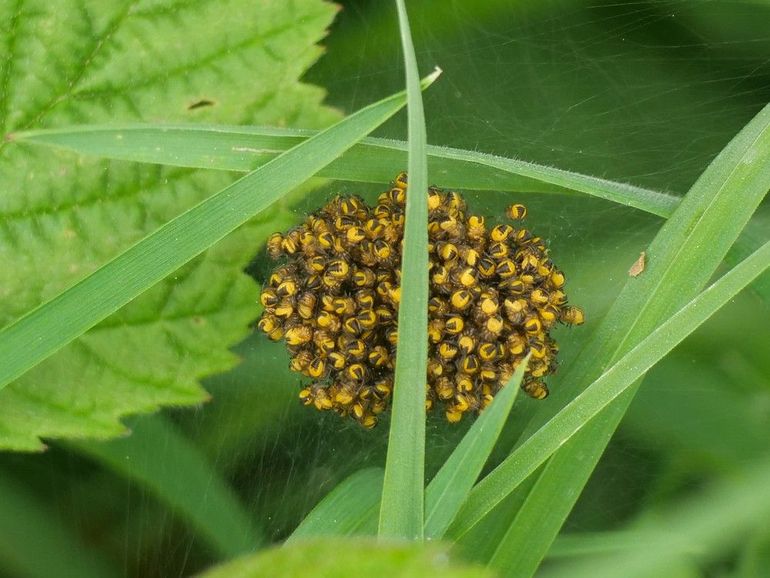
(30, 339)
(344, 510)
(89, 61)
(347, 558)
(148, 355)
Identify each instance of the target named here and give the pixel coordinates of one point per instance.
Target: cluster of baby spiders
(494, 296)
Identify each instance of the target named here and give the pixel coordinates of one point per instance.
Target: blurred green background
(643, 92)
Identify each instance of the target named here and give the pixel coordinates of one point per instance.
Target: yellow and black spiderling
(494, 296)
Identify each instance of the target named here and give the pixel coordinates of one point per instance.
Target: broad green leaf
(62, 217)
(402, 506)
(449, 489)
(29, 340)
(621, 376)
(162, 460)
(345, 509)
(347, 558)
(681, 259)
(717, 519)
(36, 543)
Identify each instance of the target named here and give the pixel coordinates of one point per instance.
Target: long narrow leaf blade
(401, 510)
(244, 148)
(158, 457)
(680, 261)
(31, 339)
(623, 374)
(449, 489)
(346, 509)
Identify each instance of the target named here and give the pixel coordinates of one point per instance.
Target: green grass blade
(345, 509)
(613, 382)
(401, 510)
(654, 202)
(717, 520)
(449, 489)
(681, 259)
(158, 457)
(34, 543)
(49, 327)
(479, 544)
(244, 148)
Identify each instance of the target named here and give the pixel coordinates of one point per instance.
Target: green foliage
(243, 148)
(613, 382)
(449, 488)
(27, 341)
(682, 490)
(350, 507)
(81, 61)
(402, 508)
(682, 257)
(347, 558)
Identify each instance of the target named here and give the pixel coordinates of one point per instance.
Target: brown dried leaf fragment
(638, 267)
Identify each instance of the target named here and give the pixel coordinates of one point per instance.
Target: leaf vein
(129, 377)
(187, 315)
(129, 192)
(193, 65)
(81, 70)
